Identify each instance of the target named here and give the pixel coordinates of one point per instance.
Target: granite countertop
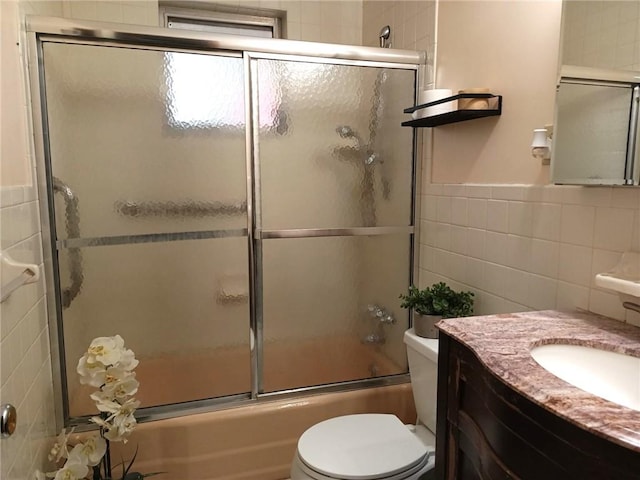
(503, 342)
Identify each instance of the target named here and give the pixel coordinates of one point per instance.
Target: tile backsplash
(528, 247)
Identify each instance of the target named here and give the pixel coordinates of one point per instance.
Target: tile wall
(603, 34)
(526, 247)
(314, 21)
(25, 362)
(412, 23)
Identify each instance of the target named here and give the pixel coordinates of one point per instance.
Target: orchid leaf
(124, 476)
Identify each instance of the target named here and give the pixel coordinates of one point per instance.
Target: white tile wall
(412, 23)
(315, 21)
(604, 34)
(25, 363)
(528, 247)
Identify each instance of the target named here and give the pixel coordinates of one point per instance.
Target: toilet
(375, 446)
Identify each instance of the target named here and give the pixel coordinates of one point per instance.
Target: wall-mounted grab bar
(187, 208)
(72, 227)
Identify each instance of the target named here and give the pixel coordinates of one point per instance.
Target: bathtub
(176, 378)
(254, 442)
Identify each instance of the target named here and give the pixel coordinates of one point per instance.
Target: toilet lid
(360, 447)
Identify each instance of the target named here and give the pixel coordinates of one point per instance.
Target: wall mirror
(597, 127)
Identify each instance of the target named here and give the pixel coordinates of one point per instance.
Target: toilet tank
(423, 367)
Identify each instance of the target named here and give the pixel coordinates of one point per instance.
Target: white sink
(609, 375)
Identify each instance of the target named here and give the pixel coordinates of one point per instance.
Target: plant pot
(425, 325)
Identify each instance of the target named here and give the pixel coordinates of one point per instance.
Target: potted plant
(435, 303)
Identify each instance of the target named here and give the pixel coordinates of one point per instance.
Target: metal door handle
(72, 226)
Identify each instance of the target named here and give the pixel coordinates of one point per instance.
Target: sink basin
(609, 375)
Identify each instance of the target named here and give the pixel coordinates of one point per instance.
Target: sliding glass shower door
(243, 219)
(148, 170)
(335, 205)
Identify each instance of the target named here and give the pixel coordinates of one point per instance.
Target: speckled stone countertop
(503, 342)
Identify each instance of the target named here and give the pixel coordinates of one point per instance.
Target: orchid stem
(106, 460)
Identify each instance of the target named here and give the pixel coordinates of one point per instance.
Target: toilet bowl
(377, 446)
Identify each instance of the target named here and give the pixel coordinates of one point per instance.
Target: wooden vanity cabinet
(486, 430)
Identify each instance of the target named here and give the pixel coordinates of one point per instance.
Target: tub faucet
(381, 314)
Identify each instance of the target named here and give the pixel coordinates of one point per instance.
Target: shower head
(385, 33)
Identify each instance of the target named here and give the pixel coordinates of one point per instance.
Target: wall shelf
(455, 115)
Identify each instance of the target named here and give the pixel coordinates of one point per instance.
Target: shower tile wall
(527, 247)
(314, 21)
(412, 23)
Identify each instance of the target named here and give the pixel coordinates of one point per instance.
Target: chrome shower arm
(72, 227)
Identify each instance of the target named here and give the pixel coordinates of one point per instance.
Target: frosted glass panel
(337, 156)
(591, 134)
(181, 306)
(318, 327)
(147, 141)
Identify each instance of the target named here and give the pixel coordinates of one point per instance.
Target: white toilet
(377, 446)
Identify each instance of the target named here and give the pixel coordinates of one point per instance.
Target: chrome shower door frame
(42, 29)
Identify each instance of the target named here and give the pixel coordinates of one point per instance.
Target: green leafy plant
(438, 299)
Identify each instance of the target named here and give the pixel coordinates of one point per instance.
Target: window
(200, 87)
(244, 21)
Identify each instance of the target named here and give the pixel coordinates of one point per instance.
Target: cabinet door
(592, 134)
(488, 430)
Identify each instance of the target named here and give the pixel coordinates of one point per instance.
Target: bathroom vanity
(501, 415)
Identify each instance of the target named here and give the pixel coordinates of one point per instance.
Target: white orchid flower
(105, 376)
(106, 350)
(121, 389)
(91, 373)
(72, 471)
(108, 404)
(90, 452)
(105, 403)
(117, 427)
(128, 360)
(128, 407)
(60, 450)
(121, 427)
(100, 422)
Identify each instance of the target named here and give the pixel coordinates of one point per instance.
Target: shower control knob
(388, 318)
